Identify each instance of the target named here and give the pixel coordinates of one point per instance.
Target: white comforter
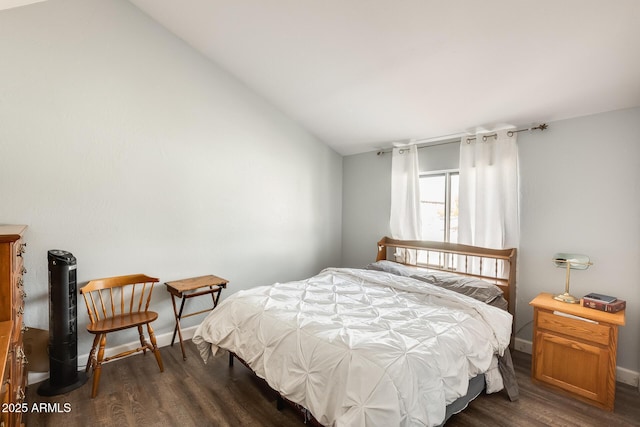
(360, 347)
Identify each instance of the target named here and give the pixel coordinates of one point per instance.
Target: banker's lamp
(570, 261)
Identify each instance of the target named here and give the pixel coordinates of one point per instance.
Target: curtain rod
(456, 138)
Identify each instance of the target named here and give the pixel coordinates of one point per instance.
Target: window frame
(447, 173)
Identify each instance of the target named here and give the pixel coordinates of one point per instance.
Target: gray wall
(579, 193)
(366, 201)
(124, 146)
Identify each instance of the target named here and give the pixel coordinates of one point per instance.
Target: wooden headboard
(496, 266)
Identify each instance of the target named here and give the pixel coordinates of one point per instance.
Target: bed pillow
(470, 286)
(392, 267)
(500, 302)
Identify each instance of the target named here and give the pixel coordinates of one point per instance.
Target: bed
(407, 341)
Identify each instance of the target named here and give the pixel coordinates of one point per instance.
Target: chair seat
(122, 321)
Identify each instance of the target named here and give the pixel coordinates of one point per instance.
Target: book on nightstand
(610, 306)
(600, 297)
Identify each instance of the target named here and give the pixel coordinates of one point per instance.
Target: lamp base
(567, 298)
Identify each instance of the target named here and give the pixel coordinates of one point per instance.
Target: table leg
(175, 313)
(213, 296)
(177, 328)
(184, 299)
(216, 297)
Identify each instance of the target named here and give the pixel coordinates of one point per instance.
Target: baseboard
(162, 340)
(623, 375)
(523, 345)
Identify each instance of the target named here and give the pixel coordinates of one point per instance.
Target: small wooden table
(188, 288)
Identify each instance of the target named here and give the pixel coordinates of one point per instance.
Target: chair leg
(91, 361)
(98, 369)
(156, 352)
(143, 342)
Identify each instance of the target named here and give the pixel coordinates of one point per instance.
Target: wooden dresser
(12, 357)
(574, 349)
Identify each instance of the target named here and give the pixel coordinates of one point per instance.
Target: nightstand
(574, 349)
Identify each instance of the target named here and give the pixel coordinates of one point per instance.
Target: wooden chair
(115, 304)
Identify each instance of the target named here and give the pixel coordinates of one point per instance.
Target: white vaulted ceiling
(362, 73)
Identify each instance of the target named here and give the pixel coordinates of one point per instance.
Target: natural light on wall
(9, 4)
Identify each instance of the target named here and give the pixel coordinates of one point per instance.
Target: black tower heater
(63, 331)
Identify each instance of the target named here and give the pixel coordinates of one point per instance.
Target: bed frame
(496, 266)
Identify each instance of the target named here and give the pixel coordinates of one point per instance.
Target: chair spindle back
(120, 295)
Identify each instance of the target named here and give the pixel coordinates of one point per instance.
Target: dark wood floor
(134, 393)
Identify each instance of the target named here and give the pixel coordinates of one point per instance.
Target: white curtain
(488, 204)
(405, 221)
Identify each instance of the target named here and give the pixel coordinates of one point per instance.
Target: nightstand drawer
(584, 330)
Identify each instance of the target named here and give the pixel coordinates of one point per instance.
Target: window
(439, 206)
